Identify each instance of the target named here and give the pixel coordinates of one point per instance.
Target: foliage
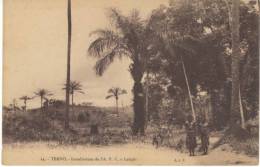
(82, 117)
(198, 33)
(74, 87)
(115, 92)
(43, 94)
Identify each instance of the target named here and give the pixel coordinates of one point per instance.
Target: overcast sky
(35, 45)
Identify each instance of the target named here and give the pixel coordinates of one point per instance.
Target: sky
(35, 49)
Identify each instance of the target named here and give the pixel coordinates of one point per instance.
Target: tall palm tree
(128, 40)
(115, 92)
(42, 93)
(66, 121)
(25, 99)
(74, 87)
(235, 62)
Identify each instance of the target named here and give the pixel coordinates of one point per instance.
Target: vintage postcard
(131, 82)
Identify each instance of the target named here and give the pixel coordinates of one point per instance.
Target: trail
(133, 153)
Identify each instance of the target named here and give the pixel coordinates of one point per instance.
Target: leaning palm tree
(42, 93)
(74, 87)
(116, 92)
(129, 39)
(25, 99)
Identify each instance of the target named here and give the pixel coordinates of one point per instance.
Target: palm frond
(109, 96)
(81, 92)
(111, 90)
(43, 93)
(49, 94)
(122, 92)
(103, 63)
(26, 98)
(118, 19)
(107, 40)
(74, 86)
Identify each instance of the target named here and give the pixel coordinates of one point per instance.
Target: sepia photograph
(130, 82)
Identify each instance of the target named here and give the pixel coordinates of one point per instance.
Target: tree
(75, 87)
(176, 42)
(42, 93)
(205, 25)
(66, 121)
(25, 99)
(115, 92)
(129, 39)
(235, 63)
(14, 105)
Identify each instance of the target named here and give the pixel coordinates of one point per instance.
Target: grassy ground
(35, 126)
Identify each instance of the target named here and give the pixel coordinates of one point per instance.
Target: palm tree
(42, 93)
(25, 99)
(66, 121)
(130, 39)
(116, 92)
(74, 87)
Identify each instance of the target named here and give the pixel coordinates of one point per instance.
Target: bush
(28, 126)
(240, 141)
(249, 146)
(81, 117)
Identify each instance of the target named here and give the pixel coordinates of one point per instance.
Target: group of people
(194, 129)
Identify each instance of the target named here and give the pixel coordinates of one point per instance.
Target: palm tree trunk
(139, 111)
(72, 100)
(188, 87)
(123, 107)
(41, 104)
(139, 108)
(72, 103)
(117, 107)
(147, 98)
(25, 105)
(241, 110)
(68, 67)
(235, 64)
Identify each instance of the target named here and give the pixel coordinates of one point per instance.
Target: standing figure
(191, 135)
(158, 139)
(204, 136)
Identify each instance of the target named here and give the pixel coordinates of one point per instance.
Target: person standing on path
(191, 135)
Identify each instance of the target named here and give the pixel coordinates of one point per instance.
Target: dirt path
(51, 153)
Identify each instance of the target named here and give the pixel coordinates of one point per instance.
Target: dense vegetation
(181, 51)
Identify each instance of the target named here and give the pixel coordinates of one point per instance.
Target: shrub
(81, 117)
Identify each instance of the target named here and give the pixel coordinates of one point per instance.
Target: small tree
(25, 99)
(42, 93)
(74, 87)
(13, 105)
(116, 92)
